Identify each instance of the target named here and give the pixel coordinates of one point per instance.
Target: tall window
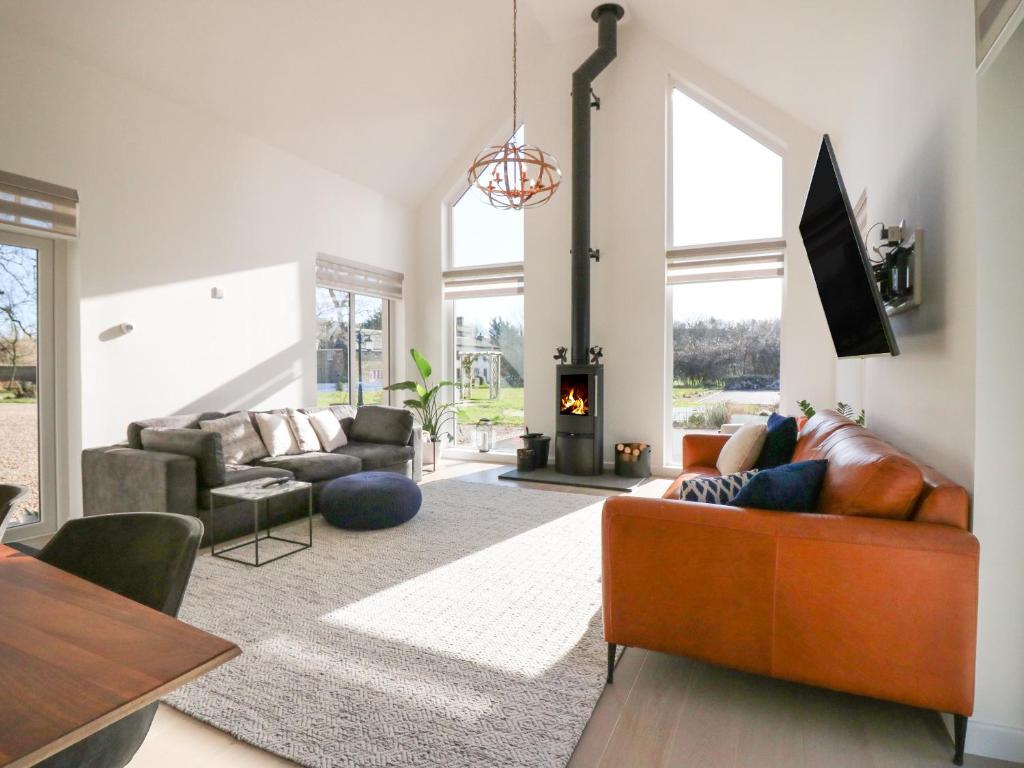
(27, 417)
(352, 347)
(484, 289)
(724, 270)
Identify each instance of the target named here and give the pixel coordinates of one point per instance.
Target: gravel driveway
(19, 457)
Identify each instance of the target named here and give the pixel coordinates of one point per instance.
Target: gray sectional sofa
(188, 463)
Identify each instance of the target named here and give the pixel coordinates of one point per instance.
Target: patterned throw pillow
(239, 441)
(715, 490)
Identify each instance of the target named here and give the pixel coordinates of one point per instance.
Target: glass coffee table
(258, 493)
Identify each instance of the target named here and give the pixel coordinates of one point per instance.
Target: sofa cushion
(204, 447)
(382, 424)
(742, 449)
(779, 442)
(181, 421)
(715, 490)
(315, 467)
(376, 455)
(276, 432)
(304, 432)
(242, 473)
(344, 411)
(789, 488)
(239, 440)
(866, 476)
(328, 429)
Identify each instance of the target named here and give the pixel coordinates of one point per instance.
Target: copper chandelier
(515, 176)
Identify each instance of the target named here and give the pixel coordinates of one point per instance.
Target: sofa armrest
(881, 608)
(118, 479)
(416, 443)
(701, 449)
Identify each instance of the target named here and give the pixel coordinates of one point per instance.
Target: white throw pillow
(742, 449)
(238, 438)
(328, 429)
(304, 432)
(277, 434)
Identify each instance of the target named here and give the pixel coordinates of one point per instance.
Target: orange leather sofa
(874, 594)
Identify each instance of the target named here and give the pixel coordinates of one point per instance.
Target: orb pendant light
(515, 176)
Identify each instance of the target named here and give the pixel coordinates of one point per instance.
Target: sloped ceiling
(387, 93)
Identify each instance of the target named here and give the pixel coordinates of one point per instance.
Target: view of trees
(709, 351)
(509, 339)
(18, 326)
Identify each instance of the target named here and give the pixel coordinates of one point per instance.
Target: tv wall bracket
(897, 270)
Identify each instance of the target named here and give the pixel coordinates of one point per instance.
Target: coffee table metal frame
(254, 492)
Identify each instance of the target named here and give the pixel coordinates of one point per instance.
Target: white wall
(172, 204)
(629, 194)
(909, 139)
(998, 509)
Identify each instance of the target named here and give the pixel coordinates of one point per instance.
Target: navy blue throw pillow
(789, 488)
(779, 442)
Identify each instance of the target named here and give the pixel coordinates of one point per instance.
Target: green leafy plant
(843, 409)
(429, 404)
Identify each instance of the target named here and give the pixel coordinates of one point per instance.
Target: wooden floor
(664, 711)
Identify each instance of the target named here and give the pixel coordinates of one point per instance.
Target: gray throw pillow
(238, 437)
(204, 447)
(382, 424)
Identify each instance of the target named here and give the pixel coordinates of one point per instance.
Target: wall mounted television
(842, 270)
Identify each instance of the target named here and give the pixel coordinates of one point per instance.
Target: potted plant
(430, 405)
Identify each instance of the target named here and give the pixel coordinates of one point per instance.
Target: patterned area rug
(470, 636)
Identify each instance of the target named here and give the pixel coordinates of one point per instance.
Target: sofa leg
(960, 738)
(611, 662)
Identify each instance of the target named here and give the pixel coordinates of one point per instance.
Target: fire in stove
(574, 399)
(577, 406)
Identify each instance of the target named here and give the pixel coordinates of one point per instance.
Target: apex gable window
(483, 292)
(724, 268)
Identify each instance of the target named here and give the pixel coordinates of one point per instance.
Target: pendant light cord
(515, 68)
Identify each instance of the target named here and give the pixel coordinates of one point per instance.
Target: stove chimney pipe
(607, 17)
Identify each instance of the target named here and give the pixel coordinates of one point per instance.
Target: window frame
(50, 378)
(764, 257)
(512, 273)
(386, 326)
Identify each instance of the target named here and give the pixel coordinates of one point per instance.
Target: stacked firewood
(630, 451)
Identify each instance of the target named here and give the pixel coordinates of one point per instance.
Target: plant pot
(432, 450)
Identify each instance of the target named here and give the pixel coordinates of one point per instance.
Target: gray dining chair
(9, 495)
(144, 556)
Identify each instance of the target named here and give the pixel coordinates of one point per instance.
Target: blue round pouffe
(370, 500)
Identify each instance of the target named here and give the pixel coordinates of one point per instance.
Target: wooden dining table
(75, 657)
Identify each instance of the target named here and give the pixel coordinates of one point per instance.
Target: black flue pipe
(607, 17)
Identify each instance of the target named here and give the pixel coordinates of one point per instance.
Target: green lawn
(323, 399)
(28, 400)
(506, 409)
(683, 396)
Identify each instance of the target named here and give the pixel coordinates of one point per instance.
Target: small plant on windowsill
(429, 405)
(843, 409)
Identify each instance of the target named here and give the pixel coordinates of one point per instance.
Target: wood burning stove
(579, 442)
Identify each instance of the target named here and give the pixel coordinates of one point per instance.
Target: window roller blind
(38, 205)
(482, 282)
(747, 260)
(345, 275)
